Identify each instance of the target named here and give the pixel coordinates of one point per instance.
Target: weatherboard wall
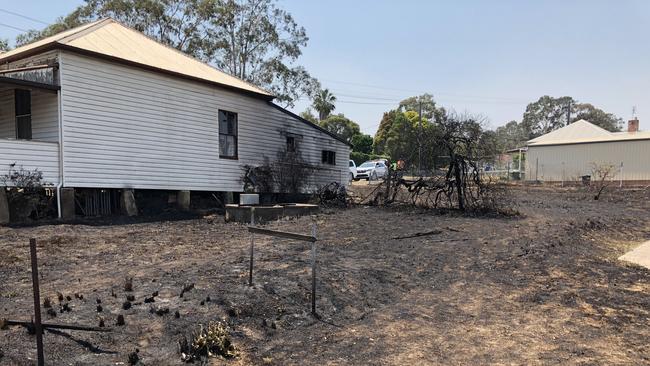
(44, 115)
(31, 155)
(125, 127)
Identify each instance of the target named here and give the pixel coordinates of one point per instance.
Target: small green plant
(211, 341)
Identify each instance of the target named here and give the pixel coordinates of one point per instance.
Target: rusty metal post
(250, 273)
(37, 304)
(313, 270)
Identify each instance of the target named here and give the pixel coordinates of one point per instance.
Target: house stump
(4, 207)
(129, 208)
(183, 200)
(229, 198)
(67, 204)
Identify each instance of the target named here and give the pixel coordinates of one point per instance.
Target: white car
(371, 170)
(353, 170)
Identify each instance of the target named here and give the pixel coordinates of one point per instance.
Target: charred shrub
(289, 173)
(27, 194)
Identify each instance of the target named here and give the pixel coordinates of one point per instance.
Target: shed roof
(109, 38)
(582, 132)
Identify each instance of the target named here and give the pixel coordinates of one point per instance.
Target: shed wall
(570, 162)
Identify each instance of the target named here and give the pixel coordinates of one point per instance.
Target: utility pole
(420, 143)
(568, 114)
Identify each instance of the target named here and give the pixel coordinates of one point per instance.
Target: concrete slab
(242, 214)
(640, 255)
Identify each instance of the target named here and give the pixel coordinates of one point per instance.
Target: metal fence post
(313, 270)
(250, 273)
(37, 303)
(620, 178)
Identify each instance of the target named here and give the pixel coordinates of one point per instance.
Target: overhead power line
(23, 16)
(435, 93)
(12, 27)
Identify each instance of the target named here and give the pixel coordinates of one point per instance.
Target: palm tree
(324, 103)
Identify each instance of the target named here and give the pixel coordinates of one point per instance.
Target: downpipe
(58, 197)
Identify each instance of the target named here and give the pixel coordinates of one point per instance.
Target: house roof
(583, 132)
(109, 38)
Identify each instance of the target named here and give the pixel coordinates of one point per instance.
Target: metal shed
(573, 151)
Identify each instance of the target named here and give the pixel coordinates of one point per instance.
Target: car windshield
(367, 164)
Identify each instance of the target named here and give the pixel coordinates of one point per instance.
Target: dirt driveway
(543, 289)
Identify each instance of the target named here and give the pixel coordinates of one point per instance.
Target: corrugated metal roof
(582, 132)
(111, 38)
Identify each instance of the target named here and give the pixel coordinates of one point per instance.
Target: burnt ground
(545, 288)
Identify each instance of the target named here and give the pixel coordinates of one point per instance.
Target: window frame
(236, 135)
(28, 115)
(291, 145)
(328, 157)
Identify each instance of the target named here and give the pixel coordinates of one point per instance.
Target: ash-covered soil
(545, 288)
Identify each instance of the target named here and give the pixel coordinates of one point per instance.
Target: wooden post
(313, 270)
(250, 273)
(37, 304)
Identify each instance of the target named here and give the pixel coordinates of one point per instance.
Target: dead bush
(26, 193)
(211, 341)
(461, 185)
(601, 174)
(288, 173)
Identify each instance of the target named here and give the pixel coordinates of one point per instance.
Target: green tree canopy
(597, 116)
(4, 45)
(382, 131)
(309, 116)
(545, 115)
(362, 143)
(510, 136)
(324, 103)
(254, 40)
(429, 109)
(548, 114)
(430, 112)
(341, 126)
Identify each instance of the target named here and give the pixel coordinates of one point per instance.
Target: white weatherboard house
(103, 106)
(569, 153)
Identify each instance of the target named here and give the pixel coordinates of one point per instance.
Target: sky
(489, 58)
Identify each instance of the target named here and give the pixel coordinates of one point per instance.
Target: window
(329, 157)
(23, 104)
(291, 144)
(227, 135)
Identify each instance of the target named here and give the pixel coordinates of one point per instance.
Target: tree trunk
(459, 184)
